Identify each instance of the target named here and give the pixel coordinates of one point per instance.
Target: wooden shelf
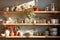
(46, 11)
(34, 11)
(13, 11)
(52, 36)
(25, 36)
(31, 37)
(30, 24)
(2, 37)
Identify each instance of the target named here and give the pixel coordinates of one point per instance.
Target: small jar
(34, 21)
(7, 9)
(11, 33)
(46, 33)
(47, 9)
(12, 9)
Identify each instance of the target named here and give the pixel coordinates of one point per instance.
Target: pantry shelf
(26, 37)
(13, 12)
(31, 37)
(34, 12)
(46, 12)
(30, 24)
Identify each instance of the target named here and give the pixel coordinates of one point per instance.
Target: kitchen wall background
(41, 5)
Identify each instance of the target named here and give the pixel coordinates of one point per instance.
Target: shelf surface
(30, 24)
(25, 36)
(13, 12)
(34, 11)
(31, 37)
(46, 11)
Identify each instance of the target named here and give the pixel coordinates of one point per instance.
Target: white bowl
(2, 34)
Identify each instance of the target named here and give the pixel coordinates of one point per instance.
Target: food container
(53, 30)
(12, 9)
(53, 33)
(37, 34)
(7, 32)
(46, 33)
(54, 21)
(2, 34)
(25, 32)
(36, 9)
(7, 9)
(1, 21)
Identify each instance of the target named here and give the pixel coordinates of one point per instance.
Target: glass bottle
(52, 7)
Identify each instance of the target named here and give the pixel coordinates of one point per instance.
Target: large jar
(7, 32)
(53, 31)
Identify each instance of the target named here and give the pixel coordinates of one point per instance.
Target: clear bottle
(52, 7)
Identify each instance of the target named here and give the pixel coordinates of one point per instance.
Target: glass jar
(46, 33)
(7, 32)
(7, 8)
